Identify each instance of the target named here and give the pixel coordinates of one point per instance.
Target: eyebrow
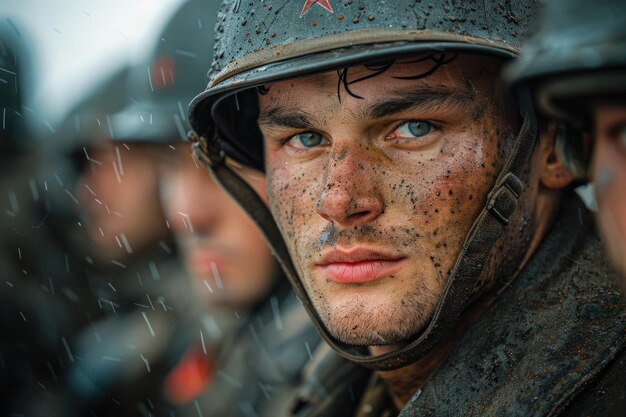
(423, 97)
(282, 116)
(400, 101)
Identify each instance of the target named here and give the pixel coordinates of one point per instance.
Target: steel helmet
(579, 53)
(16, 79)
(261, 42)
(161, 86)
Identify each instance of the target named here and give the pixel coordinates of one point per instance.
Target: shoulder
(605, 395)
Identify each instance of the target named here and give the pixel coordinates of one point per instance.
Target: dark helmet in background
(577, 55)
(87, 123)
(146, 102)
(90, 118)
(263, 42)
(161, 87)
(16, 78)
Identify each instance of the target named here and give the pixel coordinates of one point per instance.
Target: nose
(350, 196)
(196, 199)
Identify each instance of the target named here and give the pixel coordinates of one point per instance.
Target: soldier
(426, 223)
(575, 68)
(234, 339)
(116, 185)
(130, 262)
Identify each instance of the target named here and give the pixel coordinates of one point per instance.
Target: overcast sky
(78, 42)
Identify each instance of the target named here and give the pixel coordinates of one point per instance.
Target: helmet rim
(346, 49)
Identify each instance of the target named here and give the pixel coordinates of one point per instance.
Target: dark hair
(382, 67)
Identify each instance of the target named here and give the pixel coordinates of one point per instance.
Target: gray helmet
(261, 42)
(161, 87)
(90, 119)
(15, 84)
(578, 54)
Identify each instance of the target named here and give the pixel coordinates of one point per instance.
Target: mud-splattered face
(609, 176)
(375, 196)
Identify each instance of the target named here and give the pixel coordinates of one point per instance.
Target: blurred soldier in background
(44, 296)
(576, 68)
(131, 260)
(116, 188)
(231, 342)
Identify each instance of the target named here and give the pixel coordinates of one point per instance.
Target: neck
(404, 382)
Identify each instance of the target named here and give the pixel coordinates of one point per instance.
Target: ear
(554, 175)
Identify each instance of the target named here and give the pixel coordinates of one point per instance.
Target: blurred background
(75, 43)
(130, 283)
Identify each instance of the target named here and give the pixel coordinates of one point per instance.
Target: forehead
(465, 73)
(610, 108)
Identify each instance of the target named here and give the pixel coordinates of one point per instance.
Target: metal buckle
(208, 152)
(503, 201)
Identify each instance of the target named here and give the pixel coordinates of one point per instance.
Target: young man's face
(609, 175)
(220, 246)
(375, 196)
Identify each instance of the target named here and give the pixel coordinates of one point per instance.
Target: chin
(360, 322)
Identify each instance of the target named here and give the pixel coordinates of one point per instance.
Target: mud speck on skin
(328, 237)
(342, 155)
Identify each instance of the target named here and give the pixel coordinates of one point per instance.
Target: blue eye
(413, 128)
(307, 140)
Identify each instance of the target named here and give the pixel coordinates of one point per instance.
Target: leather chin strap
(476, 251)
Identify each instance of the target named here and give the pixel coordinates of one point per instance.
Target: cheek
(440, 198)
(279, 196)
(190, 200)
(609, 174)
(448, 185)
(102, 181)
(292, 196)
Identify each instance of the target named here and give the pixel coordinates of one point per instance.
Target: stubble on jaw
(345, 321)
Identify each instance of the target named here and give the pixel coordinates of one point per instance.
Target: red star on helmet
(324, 3)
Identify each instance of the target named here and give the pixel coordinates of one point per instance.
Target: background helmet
(262, 42)
(579, 52)
(160, 87)
(145, 102)
(577, 55)
(16, 79)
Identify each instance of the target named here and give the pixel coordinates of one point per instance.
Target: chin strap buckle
(503, 200)
(206, 151)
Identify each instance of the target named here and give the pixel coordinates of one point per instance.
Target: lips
(204, 263)
(359, 266)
